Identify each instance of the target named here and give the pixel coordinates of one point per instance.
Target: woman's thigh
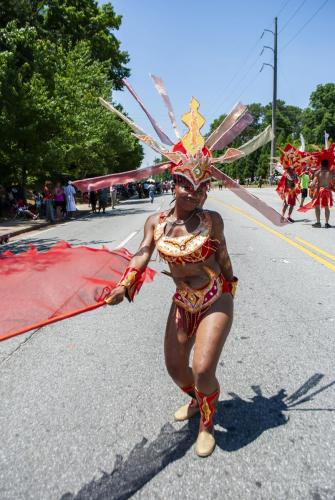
(212, 333)
(177, 345)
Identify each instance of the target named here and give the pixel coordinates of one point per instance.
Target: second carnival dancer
(321, 190)
(191, 240)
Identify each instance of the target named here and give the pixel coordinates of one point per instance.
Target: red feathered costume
(321, 195)
(288, 188)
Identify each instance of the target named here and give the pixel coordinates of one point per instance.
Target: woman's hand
(116, 296)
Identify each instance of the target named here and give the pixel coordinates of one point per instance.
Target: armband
(132, 280)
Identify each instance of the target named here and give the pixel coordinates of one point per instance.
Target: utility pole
(274, 89)
(274, 98)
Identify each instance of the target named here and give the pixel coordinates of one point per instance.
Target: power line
(243, 63)
(304, 25)
(283, 7)
(219, 99)
(241, 80)
(293, 15)
(248, 86)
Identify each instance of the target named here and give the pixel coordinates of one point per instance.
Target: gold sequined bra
(191, 248)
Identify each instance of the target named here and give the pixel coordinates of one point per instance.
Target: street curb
(28, 229)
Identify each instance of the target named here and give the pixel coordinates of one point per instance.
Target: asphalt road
(86, 408)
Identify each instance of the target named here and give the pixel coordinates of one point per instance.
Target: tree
(51, 123)
(25, 119)
(23, 12)
(289, 121)
(320, 115)
(67, 22)
(72, 21)
(90, 139)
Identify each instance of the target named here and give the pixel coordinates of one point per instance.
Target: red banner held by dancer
(39, 288)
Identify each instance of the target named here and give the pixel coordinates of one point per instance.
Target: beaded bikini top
(191, 248)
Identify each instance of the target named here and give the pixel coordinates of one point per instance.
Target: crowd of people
(53, 202)
(101, 199)
(56, 201)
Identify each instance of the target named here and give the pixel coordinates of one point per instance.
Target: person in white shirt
(70, 192)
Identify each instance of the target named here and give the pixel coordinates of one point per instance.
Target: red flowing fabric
(39, 288)
(95, 183)
(323, 199)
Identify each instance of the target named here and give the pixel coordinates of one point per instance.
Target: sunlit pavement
(87, 405)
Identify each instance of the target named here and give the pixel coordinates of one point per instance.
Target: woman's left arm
(222, 255)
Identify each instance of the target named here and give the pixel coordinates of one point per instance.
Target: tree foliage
(320, 115)
(56, 58)
(67, 22)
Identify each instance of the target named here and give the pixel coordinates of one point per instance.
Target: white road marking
(36, 232)
(125, 241)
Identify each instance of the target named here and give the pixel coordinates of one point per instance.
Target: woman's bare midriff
(194, 274)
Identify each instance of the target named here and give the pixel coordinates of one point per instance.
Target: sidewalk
(15, 227)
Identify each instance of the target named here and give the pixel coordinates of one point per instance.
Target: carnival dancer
(322, 186)
(191, 240)
(288, 189)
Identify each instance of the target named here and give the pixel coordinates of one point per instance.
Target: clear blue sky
(212, 50)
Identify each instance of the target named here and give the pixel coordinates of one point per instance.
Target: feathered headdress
(299, 160)
(191, 156)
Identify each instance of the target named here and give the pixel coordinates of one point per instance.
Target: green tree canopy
(67, 22)
(51, 123)
(320, 115)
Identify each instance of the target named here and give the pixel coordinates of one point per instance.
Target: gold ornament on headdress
(194, 121)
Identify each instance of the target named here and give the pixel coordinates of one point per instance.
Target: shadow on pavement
(302, 220)
(20, 246)
(43, 244)
(128, 211)
(16, 245)
(243, 421)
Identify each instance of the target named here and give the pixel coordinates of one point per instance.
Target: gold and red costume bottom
(290, 197)
(288, 189)
(323, 198)
(192, 304)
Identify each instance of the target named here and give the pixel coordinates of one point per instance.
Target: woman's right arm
(139, 261)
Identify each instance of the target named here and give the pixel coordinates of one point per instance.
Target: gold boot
(205, 443)
(186, 412)
(189, 410)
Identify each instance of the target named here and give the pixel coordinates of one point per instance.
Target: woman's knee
(203, 373)
(177, 368)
